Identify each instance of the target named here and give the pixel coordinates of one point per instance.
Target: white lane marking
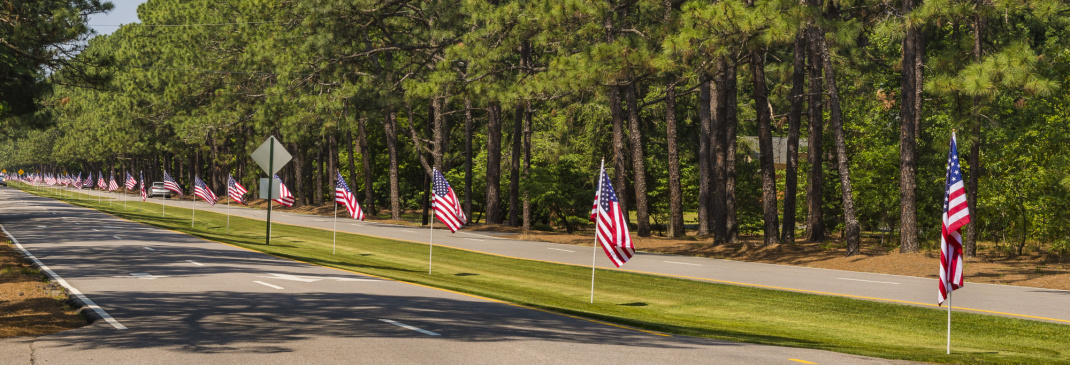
(417, 329)
(88, 302)
(117, 237)
(195, 262)
(406, 230)
(150, 248)
(310, 279)
(681, 263)
(559, 249)
(42, 226)
(268, 285)
(53, 212)
(474, 239)
(143, 275)
(96, 230)
(869, 281)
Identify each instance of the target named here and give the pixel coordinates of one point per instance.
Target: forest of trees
(517, 102)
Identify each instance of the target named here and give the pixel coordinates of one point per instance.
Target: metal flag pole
(126, 196)
(163, 207)
(193, 204)
(431, 242)
(334, 249)
(228, 210)
(594, 248)
(948, 319)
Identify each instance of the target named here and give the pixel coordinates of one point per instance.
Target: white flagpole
(594, 248)
(125, 196)
(431, 241)
(228, 211)
(334, 249)
(193, 218)
(163, 207)
(948, 320)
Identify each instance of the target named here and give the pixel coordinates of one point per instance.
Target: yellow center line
(802, 361)
(652, 273)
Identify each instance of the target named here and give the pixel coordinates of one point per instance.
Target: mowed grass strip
(657, 303)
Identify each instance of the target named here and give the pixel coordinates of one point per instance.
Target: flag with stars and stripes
(112, 184)
(343, 196)
(235, 191)
(77, 182)
(169, 183)
(101, 183)
(611, 229)
(447, 206)
(956, 215)
(144, 195)
(201, 190)
(130, 181)
(88, 184)
(285, 198)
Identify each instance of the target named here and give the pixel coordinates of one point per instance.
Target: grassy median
(651, 302)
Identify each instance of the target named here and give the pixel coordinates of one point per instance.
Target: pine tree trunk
(514, 167)
(366, 160)
(331, 172)
(791, 175)
(705, 160)
(468, 158)
(298, 172)
(390, 128)
(620, 170)
(765, 145)
(439, 133)
(815, 155)
(317, 188)
(494, 163)
(527, 166)
(352, 147)
(908, 225)
(851, 227)
(969, 247)
(732, 121)
(642, 215)
(676, 208)
(718, 109)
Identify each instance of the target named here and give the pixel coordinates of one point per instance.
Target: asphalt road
(173, 298)
(1014, 301)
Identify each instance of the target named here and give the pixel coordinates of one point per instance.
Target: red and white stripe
(611, 228)
(956, 215)
(447, 206)
(285, 198)
(235, 191)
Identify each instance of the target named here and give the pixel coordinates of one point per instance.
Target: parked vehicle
(3, 181)
(158, 190)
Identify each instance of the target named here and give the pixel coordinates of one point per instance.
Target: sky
(125, 12)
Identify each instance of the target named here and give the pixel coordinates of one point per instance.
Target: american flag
(235, 191)
(285, 198)
(112, 185)
(447, 206)
(130, 181)
(88, 184)
(956, 215)
(169, 183)
(144, 195)
(202, 190)
(101, 183)
(77, 183)
(611, 229)
(343, 196)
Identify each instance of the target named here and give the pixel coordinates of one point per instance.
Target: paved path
(1015, 301)
(174, 298)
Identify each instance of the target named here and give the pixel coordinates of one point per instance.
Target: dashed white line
(869, 281)
(268, 285)
(681, 263)
(406, 230)
(474, 239)
(117, 237)
(417, 329)
(195, 262)
(559, 249)
(150, 248)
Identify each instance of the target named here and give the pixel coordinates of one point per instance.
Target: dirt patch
(990, 266)
(30, 305)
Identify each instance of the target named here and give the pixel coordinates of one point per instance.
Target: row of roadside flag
(611, 229)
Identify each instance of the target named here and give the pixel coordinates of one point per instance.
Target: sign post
(269, 155)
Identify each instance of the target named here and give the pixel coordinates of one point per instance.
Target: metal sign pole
(271, 181)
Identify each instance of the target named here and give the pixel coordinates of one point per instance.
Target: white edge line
(195, 262)
(88, 302)
(559, 249)
(417, 329)
(869, 281)
(117, 237)
(266, 284)
(150, 248)
(682, 263)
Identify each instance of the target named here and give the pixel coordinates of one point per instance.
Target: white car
(158, 190)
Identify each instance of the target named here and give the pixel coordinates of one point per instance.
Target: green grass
(650, 302)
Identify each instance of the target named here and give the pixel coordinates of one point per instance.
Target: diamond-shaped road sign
(270, 150)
